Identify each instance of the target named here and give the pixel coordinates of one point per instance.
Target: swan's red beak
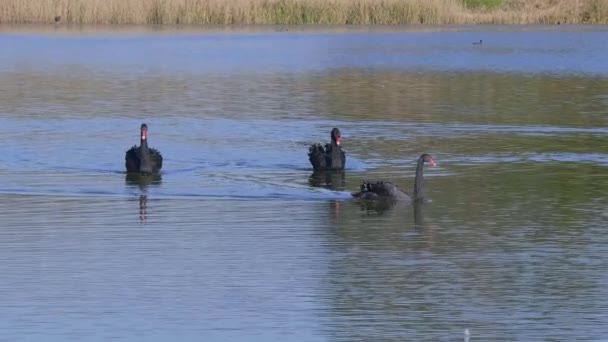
(144, 134)
(338, 141)
(432, 162)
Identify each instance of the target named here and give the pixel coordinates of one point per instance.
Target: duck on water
(387, 191)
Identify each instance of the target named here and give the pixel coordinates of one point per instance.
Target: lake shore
(298, 12)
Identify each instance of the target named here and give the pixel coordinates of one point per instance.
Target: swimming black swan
(329, 158)
(388, 191)
(143, 159)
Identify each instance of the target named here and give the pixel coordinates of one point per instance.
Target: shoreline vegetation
(298, 12)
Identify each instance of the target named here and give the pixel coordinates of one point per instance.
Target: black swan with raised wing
(330, 157)
(143, 159)
(388, 191)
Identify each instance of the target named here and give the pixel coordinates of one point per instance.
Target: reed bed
(356, 12)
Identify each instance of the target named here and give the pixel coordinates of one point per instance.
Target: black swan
(143, 159)
(388, 191)
(330, 157)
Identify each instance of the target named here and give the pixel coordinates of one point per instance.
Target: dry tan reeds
(300, 12)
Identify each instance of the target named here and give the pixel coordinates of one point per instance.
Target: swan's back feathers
(380, 190)
(322, 158)
(316, 149)
(316, 156)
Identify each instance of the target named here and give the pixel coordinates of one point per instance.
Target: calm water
(239, 241)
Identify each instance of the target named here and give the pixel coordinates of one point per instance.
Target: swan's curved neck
(419, 181)
(336, 155)
(143, 147)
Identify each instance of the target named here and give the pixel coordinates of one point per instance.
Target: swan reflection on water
(143, 208)
(418, 215)
(332, 180)
(379, 207)
(382, 207)
(142, 181)
(402, 211)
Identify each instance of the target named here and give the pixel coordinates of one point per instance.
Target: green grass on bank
(482, 4)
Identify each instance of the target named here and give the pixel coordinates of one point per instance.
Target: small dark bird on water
(330, 157)
(143, 159)
(57, 19)
(478, 43)
(387, 191)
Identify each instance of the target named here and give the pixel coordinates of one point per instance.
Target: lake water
(239, 241)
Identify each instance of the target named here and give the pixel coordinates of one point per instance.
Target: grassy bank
(305, 11)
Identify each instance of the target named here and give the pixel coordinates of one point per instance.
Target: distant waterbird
(478, 43)
(57, 19)
(143, 159)
(330, 157)
(387, 191)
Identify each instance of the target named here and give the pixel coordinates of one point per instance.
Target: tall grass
(304, 11)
